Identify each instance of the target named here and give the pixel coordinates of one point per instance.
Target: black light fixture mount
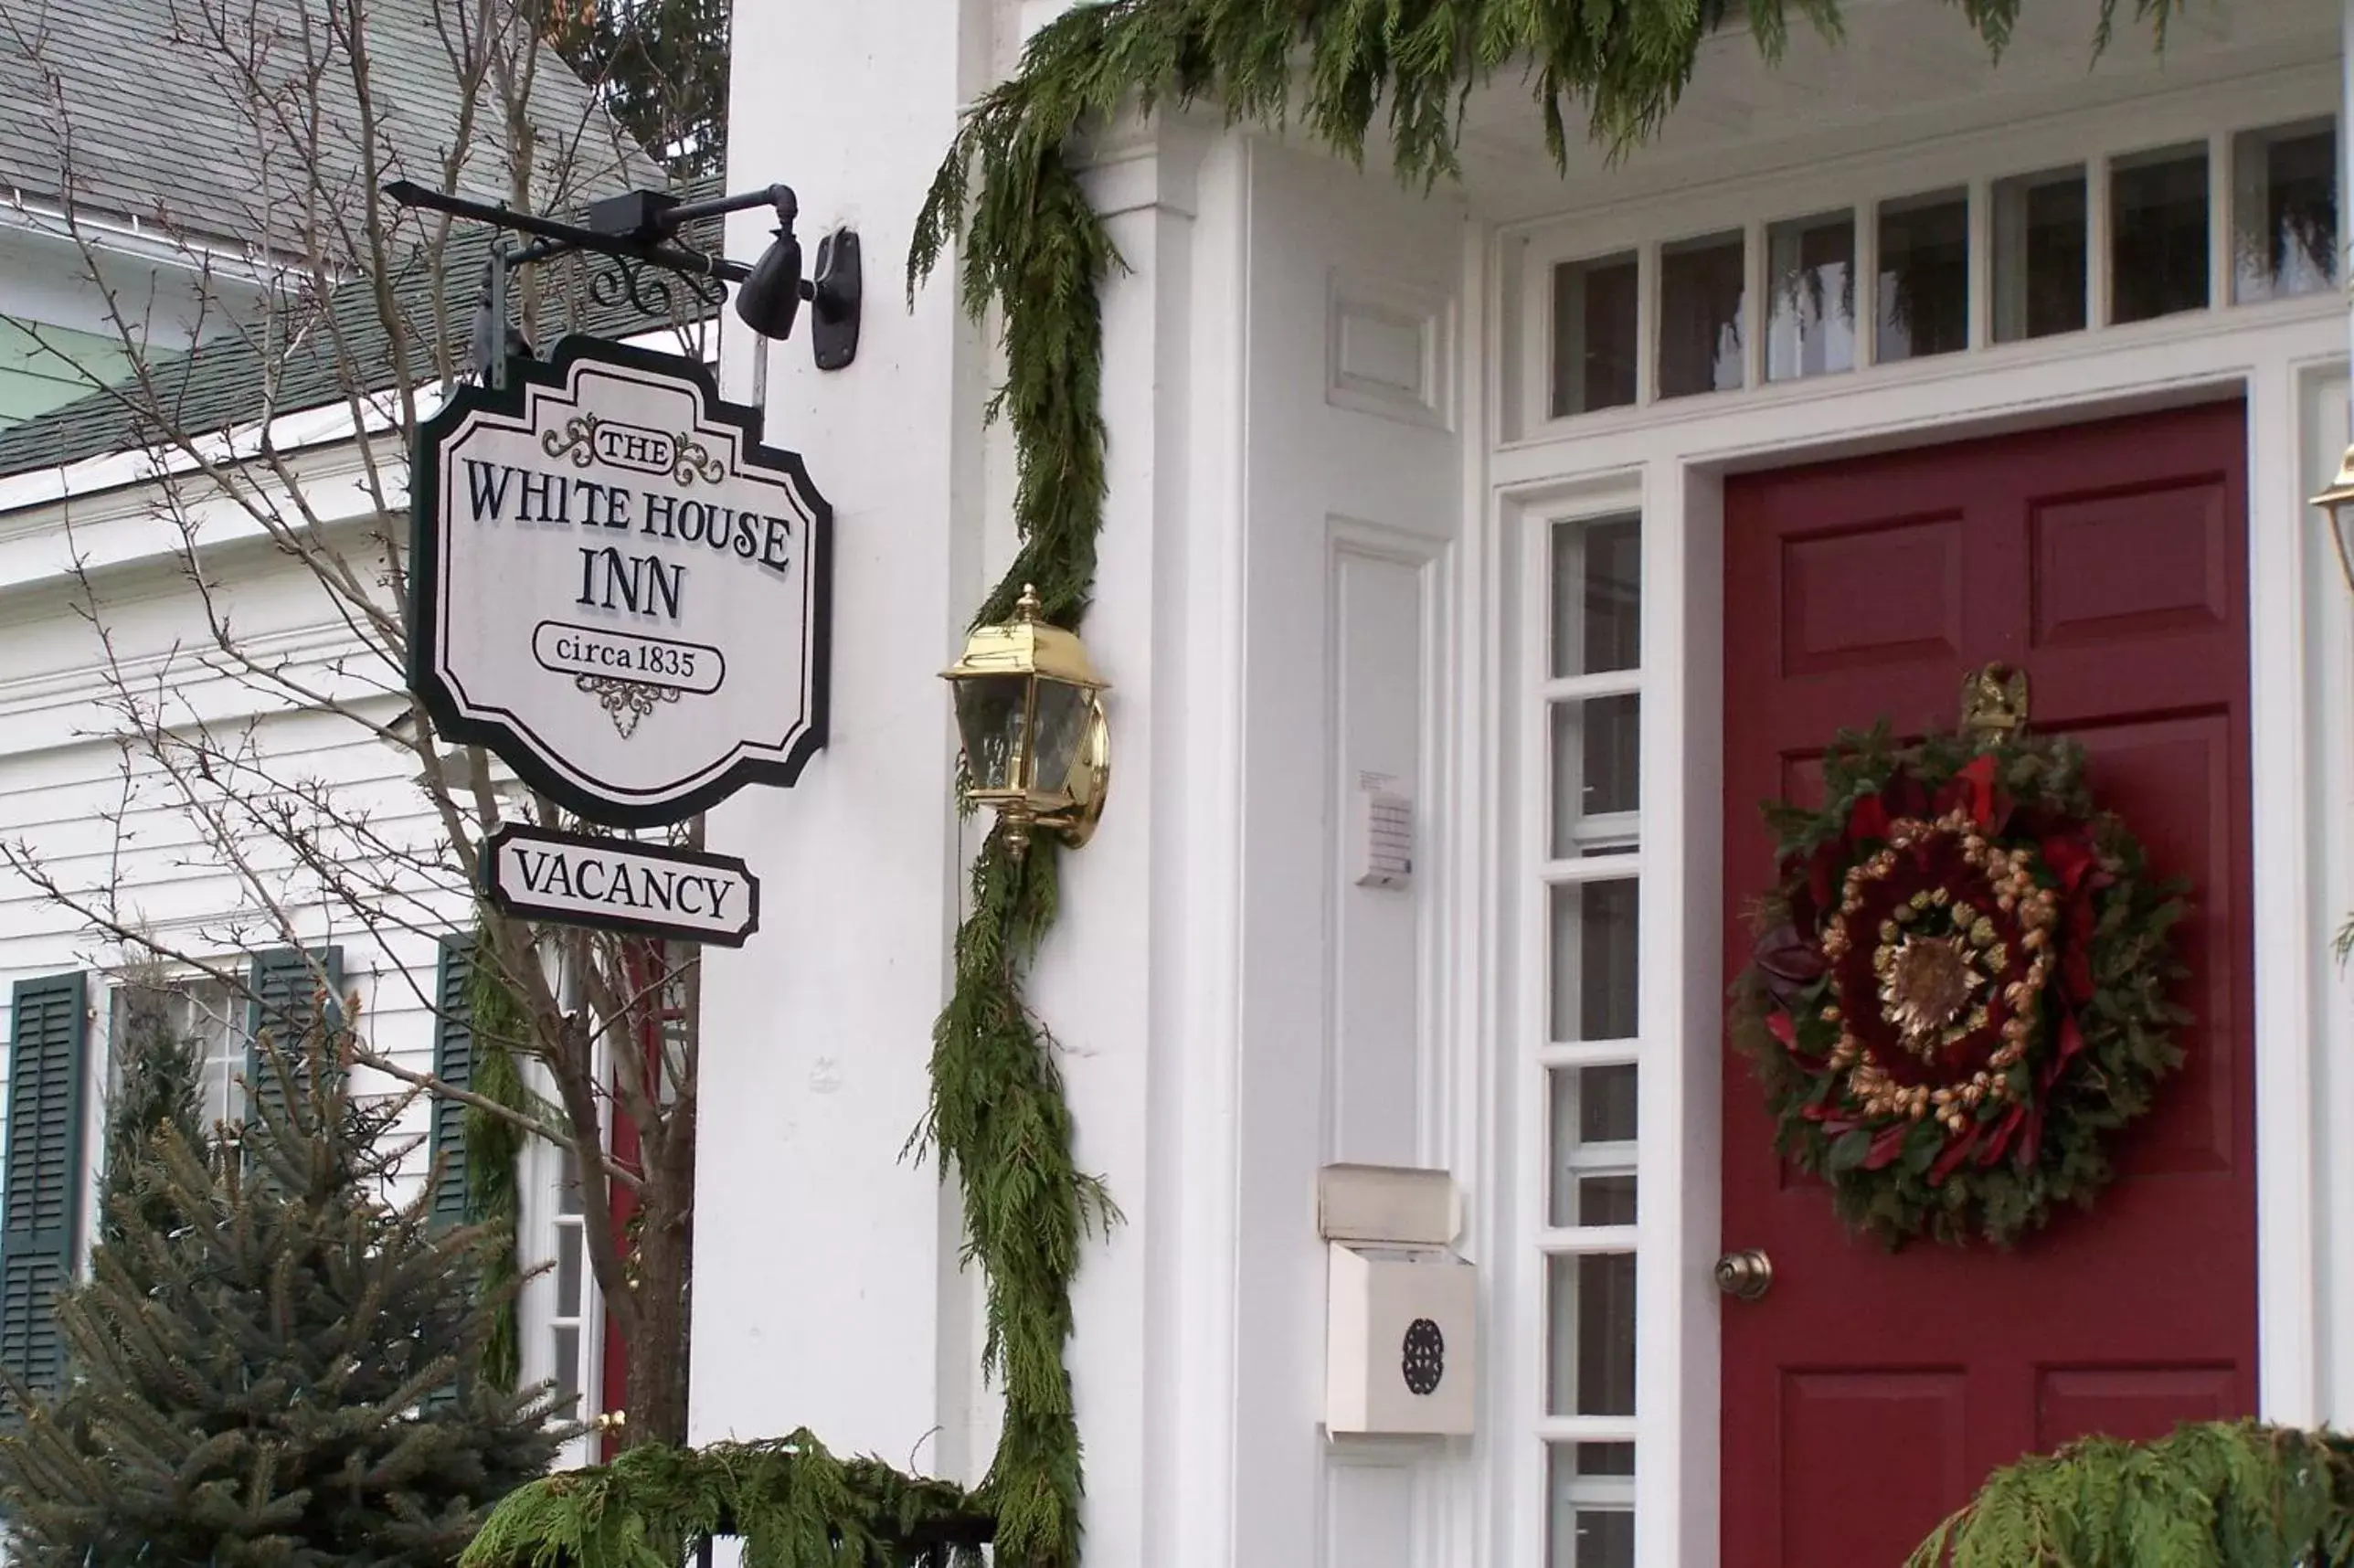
(638, 231)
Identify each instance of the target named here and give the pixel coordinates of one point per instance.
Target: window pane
(569, 1242)
(1812, 264)
(1590, 1324)
(1596, 749)
(1583, 1531)
(1613, 727)
(568, 1187)
(220, 1091)
(2039, 255)
(1606, 1334)
(1594, 960)
(1606, 1200)
(1585, 1107)
(1596, 334)
(1924, 276)
(2284, 199)
(1605, 1104)
(567, 1343)
(1702, 282)
(1606, 1458)
(1597, 585)
(2157, 234)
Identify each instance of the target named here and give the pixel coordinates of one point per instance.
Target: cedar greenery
(2127, 1026)
(1035, 255)
(793, 1504)
(2213, 1495)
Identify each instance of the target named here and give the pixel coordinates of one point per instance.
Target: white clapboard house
(1577, 509)
(161, 191)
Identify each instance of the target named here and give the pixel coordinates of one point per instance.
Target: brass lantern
(1029, 705)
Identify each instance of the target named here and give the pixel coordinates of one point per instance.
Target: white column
(2346, 167)
(1139, 979)
(823, 1294)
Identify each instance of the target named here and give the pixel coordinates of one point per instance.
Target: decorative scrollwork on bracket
(647, 290)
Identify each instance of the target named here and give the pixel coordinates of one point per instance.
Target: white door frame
(2286, 360)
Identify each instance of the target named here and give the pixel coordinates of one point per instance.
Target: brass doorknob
(1745, 1276)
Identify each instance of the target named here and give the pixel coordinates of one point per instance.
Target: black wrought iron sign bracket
(639, 231)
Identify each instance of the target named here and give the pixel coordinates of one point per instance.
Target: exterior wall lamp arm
(639, 229)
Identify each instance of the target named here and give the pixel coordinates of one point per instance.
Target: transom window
(2138, 236)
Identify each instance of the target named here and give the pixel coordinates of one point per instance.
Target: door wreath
(1960, 985)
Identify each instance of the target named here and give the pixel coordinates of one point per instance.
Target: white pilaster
(1139, 980)
(823, 1295)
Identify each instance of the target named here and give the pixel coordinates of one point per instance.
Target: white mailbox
(1402, 1309)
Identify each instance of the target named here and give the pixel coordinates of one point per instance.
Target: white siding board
(109, 823)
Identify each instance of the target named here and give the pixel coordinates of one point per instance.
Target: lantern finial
(1027, 610)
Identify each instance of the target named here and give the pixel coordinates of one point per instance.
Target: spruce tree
(269, 1364)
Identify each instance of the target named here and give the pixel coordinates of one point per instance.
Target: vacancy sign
(617, 587)
(578, 879)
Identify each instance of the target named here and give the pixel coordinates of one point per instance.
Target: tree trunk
(656, 1355)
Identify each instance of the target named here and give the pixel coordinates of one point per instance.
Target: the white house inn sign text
(617, 587)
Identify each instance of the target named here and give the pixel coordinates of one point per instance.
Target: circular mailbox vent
(1425, 1357)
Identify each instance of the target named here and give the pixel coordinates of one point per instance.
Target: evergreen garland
(1035, 254)
(2216, 1495)
(793, 1504)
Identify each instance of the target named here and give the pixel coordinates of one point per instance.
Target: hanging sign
(578, 879)
(617, 587)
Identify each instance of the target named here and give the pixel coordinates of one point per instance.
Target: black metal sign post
(639, 231)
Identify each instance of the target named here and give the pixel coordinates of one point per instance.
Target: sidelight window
(569, 1342)
(1588, 1061)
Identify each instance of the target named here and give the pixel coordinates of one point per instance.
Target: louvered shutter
(282, 989)
(40, 1193)
(453, 1064)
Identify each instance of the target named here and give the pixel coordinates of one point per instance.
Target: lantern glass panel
(991, 714)
(1063, 711)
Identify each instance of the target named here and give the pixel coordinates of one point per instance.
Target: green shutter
(40, 1195)
(280, 989)
(453, 1064)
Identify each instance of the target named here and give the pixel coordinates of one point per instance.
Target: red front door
(1867, 1395)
